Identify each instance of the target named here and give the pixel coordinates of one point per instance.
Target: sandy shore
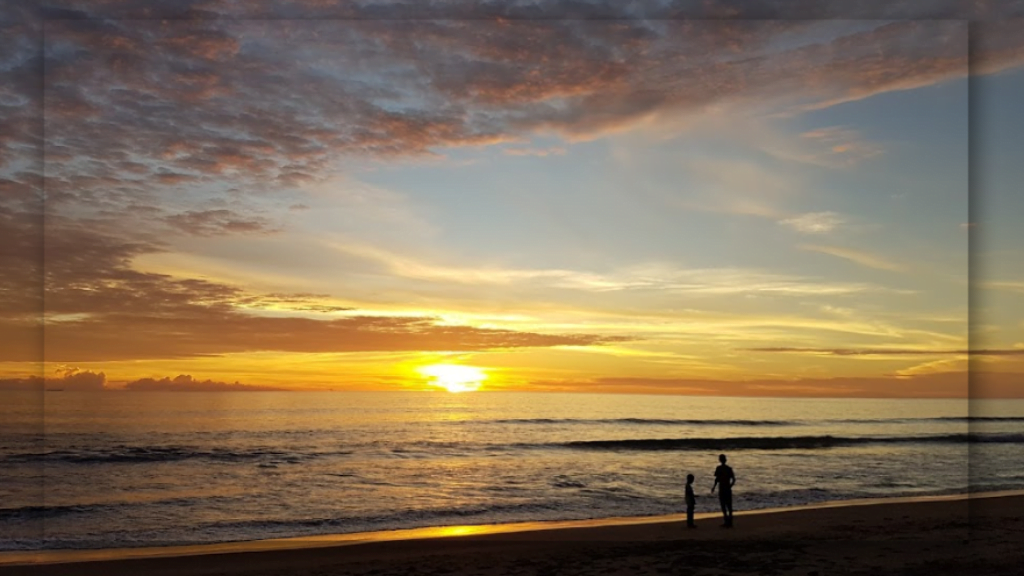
(981, 535)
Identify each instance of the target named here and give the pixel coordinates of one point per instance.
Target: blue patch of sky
(918, 184)
(996, 245)
(580, 210)
(577, 210)
(996, 156)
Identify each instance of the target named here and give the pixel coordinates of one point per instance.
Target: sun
(454, 377)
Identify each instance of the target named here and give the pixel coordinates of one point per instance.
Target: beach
(983, 534)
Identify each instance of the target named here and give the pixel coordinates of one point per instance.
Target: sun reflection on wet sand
(326, 540)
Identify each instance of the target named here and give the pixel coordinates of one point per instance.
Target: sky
(713, 198)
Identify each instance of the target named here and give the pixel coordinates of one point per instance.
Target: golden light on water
(454, 377)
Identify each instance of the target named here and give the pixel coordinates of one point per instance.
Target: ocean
(123, 469)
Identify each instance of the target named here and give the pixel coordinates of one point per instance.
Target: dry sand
(917, 537)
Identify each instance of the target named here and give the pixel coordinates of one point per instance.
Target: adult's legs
(725, 499)
(723, 502)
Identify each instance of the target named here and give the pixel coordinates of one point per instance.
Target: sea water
(121, 469)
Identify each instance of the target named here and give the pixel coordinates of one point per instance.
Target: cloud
(550, 151)
(212, 333)
(217, 222)
(98, 307)
(888, 351)
(1005, 285)
(203, 104)
(857, 256)
(814, 222)
(737, 186)
(958, 363)
(641, 277)
(842, 145)
(366, 210)
(70, 380)
(186, 383)
(292, 302)
(950, 384)
(833, 147)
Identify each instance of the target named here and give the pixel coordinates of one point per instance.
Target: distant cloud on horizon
(186, 383)
(70, 379)
(74, 380)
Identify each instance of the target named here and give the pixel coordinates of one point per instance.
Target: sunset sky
(733, 207)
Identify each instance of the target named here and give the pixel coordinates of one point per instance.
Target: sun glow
(454, 377)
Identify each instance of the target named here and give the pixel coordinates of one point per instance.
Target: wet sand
(917, 537)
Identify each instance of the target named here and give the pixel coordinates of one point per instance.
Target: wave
(144, 454)
(781, 442)
(981, 418)
(741, 422)
(930, 419)
(48, 512)
(641, 421)
(273, 458)
(43, 512)
(171, 441)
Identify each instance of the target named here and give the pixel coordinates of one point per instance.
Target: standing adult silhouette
(724, 479)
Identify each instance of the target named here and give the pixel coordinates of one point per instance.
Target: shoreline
(603, 529)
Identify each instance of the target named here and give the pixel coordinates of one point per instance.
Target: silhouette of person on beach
(691, 501)
(725, 478)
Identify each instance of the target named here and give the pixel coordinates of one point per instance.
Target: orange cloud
(107, 337)
(70, 380)
(186, 383)
(99, 308)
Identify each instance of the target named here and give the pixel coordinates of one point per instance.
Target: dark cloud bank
(87, 381)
